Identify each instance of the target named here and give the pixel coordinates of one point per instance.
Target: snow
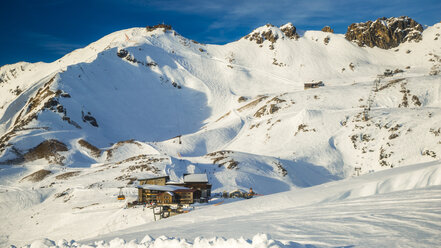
(244, 120)
(195, 178)
(395, 207)
(259, 240)
(287, 25)
(161, 188)
(398, 207)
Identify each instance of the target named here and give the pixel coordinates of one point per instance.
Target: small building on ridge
(313, 85)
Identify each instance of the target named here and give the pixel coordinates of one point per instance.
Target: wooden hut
(194, 188)
(313, 85)
(166, 198)
(162, 180)
(185, 196)
(200, 183)
(150, 193)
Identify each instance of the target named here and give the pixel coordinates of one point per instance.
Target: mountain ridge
(132, 36)
(145, 102)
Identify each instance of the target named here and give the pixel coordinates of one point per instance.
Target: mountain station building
(160, 190)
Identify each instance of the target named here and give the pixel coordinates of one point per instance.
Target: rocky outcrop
(290, 31)
(163, 26)
(36, 176)
(327, 29)
(89, 118)
(48, 149)
(271, 33)
(385, 32)
(260, 37)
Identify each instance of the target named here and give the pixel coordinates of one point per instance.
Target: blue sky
(45, 30)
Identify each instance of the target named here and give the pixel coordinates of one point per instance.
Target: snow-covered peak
(132, 37)
(268, 32)
(8, 72)
(272, 33)
(289, 30)
(287, 25)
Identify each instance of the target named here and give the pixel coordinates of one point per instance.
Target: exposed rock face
(272, 34)
(164, 26)
(327, 29)
(89, 118)
(385, 32)
(260, 37)
(48, 149)
(36, 176)
(290, 31)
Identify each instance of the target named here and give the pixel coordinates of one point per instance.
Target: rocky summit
(327, 29)
(385, 32)
(271, 33)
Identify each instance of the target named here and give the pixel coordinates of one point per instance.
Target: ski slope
(394, 208)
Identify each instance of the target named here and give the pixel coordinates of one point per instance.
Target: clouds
(237, 13)
(50, 43)
(47, 29)
(223, 21)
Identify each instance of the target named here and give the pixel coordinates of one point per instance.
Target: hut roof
(319, 83)
(160, 187)
(158, 177)
(174, 183)
(195, 178)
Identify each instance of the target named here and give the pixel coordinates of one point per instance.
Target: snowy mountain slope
(397, 207)
(175, 60)
(139, 103)
(361, 211)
